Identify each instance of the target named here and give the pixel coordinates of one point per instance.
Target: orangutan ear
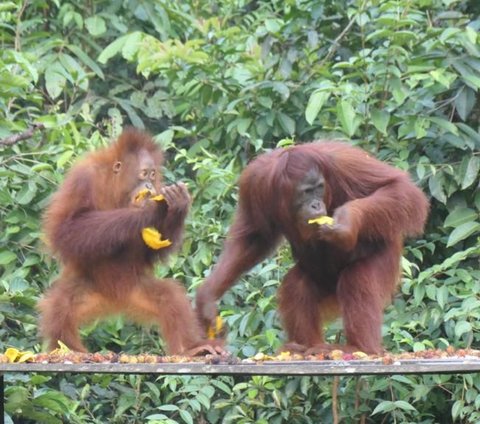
(117, 166)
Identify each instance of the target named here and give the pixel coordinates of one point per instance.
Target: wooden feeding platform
(273, 368)
(230, 366)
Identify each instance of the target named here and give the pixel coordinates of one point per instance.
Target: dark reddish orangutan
(94, 224)
(349, 267)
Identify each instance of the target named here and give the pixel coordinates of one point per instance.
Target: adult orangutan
(96, 224)
(349, 266)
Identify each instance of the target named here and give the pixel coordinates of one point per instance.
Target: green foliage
(217, 82)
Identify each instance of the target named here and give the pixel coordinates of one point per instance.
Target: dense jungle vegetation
(216, 83)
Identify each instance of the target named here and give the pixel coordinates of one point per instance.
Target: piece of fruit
(214, 332)
(15, 355)
(158, 198)
(153, 238)
(322, 220)
(141, 195)
(359, 355)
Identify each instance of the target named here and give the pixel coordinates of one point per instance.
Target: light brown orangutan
(94, 225)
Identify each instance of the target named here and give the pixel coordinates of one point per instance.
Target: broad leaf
(347, 116)
(472, 172)
(462, 327)
(464, 102)
(315, 104)
(435, 184)
(112, 49)
(380, 120)
(287, 123)
(462, 232)
(460, 216)
(95, 25)
(55, 79)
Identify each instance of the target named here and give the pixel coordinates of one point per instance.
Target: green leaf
(380, 120)
(54, 79)
(401, 404)
(443, 123)
(165, 137)
(435, 184)
(26, 194)
(6, 257)
(282, 89)
(443, 77)
(472, 172)
(398, 90)
(186, 416)
(131, 46)
(242, 125)
(442, 296)
(273, 25)
(287, 123)
(418, 347)
(464, 102)
(86, 60)
(168, 408)
(157, 417)
(112, 49)
(315, 104)
(385, 406)
(457, 409)
(7, 5)
(462, 327)
(95, 25)
(420, 126)
(132, 113)
(462, 232)
(347, 116)
(460, 216)
(472, 81)
(64, 158)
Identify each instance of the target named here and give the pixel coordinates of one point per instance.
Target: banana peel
(322, 220)
(15, 355)
(143, 194)
(215, 331)
(153, 239)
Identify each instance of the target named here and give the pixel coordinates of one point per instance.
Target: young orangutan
(95, 223)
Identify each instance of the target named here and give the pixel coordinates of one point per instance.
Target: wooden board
(287, 368)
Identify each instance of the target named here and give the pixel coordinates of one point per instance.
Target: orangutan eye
(152, 175)
(143, 174)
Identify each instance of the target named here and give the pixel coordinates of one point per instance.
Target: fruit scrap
(15, 355)
(214, 332)
(143, 194)
(62, 349)
(336, 355)
(260, 356)
(153, 238)
(322, 220)
(284, 356)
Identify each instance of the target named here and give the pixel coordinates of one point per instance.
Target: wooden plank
(290, 368)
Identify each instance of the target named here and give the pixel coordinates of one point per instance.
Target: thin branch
(8, 141)
(335, 399)
(17, 29)
(336, 43)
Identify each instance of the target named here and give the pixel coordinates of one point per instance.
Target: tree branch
(336, 43)
(8, 141)
(336, 380)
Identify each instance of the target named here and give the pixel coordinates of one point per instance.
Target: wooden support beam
(284, 368)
